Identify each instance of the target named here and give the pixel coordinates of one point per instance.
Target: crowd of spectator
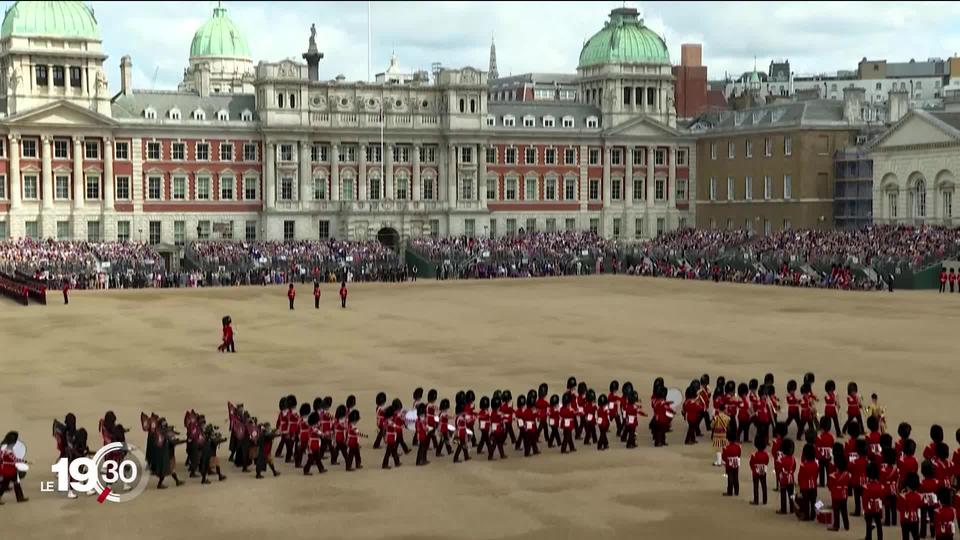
(86, 265)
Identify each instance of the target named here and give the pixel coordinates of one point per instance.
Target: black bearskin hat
(381, 399)
(432, 395)
(614, 385)
(554, 400)
(444, 404)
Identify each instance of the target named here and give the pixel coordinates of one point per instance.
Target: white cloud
(530, 36)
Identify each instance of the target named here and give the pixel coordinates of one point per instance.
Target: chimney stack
(126, 76)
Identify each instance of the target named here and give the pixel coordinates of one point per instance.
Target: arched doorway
(389, 237)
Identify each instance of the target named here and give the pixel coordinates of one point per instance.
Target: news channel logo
(116, 473)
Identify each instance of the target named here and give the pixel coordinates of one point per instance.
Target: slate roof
(132, 106)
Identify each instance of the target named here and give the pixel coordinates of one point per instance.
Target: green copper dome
(624, 39)
(62, 19)
(219, 38)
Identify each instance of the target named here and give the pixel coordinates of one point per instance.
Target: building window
(767, 188)
(179, 233)
(250, 230)
(226, 152)
(570, 224)
(374, 153)
(748, 188)
(787, 187)
(748, 145)
(204, 230)
(491, 121)
(548, 121)
(93, 231)
(31, 230)
(179, 188)
(91, 149)
(509, 121)
(570, 189)
(491, 155)
(768, 147)
(226, 188)
(660, 157)
(249, 152)
(947, 198)
(594, 156)
(616, 189)
(123, 188)
(286, 188)
(616, 157)
(713, 188)
(429, 187)
(324, 228)
(153, 188)
(346, 189)
(63, 230)
(491, 189)
(286, 152)
(592, 122)
(29, 148)
(469, 228)
(681, 189)
(550, 189)
(203, 151)
(594, 225)
(61, 187)
(659, 188)
(30, 187)
(466, 154)
(93, 186)
(730, 189)
(731, 150)
(528, 121)
(203, 188)
(638, 228)
(319, 188)
(466, 189)
(61, 149)
(616, 227)
(289, 230)
(121, 150)
(550, 156)
(75, 77)
(920, 199)
(713, 150)
(318, 153)
(511, 189)
(178, 151)
(42, 79)
(594, 189)
(428, 154)
(787, 145)
(567, 122)
(153, 150)
(551, 225)
(681, 157)
(892, 204)
(638, 190)
(530, 156)
(639, 156)
(373, 187)
(199, 115)
(530, 189)
(510, 156)
(661, 225)
(123, 231)
(249, 189)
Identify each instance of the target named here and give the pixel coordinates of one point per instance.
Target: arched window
(462, 105)
(293, 101)
(280, 100)
(473, 106)
(920, 199)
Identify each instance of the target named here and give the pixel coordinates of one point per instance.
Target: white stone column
(452, 175)
(46, 173)
(388, 171)
(417, 183)
(270, 177)
(650, 185)
(607, 151)
(584, 178)
(78, 179)
(334, 172)
(628, 177)
(50, 79)
(108, 182)
(305, 172)
(15, 180)
(482, 180)
(671, 185)
(362, 173)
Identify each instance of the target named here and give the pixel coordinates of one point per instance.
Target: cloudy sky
(530, 36)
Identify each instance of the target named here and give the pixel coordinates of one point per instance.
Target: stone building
(274, 151)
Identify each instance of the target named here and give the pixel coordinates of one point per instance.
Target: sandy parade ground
(133, 351)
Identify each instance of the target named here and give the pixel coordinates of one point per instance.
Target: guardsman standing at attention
(952, 278)
(316, 295)
(291, 295)
(343, 294)
(66, 290)
(943, 280)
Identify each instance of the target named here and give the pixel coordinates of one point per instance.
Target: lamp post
(141, 234)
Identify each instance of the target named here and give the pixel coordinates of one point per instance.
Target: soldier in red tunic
(873, 494)
(299, 431)
(316, 295)
(8, 467)
(603, 422)
(422, 432)
(353, 441)
(839, 485)
(497, 435)
(443, 439)
(759, 461)
(824, 446)
(313, 457)
(390, 438)
(590, 418)
(227, 343)
(462, 444)
(381, 400)
(731, 460)
(291, 295)
(567, 417)
(613, 406)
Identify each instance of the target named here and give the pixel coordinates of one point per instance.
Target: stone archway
(389, 237)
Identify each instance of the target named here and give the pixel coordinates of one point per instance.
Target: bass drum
(410, 419)
(675, 396)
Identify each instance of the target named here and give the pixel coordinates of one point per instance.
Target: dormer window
(491, 120)
(174, 114)
(246, 116)
(223, 115)
(529, 121)
(568, 122)
(150, 113)
(199, 115)
(592, 122)
(549, 121)
(509, 121)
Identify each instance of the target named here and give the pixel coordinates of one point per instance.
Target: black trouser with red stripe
(496, 443)
(462, 447)
(874, 520)
(691, 437)
(379, 439)
(822, 476)
(554, 438)
(840, 513)
(391, 451)
(759, 487)
(567, 444)
(353, 457)
(910, 530)
(530, 438)
(602, 442)
(590, 433)
(444, 442)
(786, 495)
(314, 459)
(890, 510)
(733, 481)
